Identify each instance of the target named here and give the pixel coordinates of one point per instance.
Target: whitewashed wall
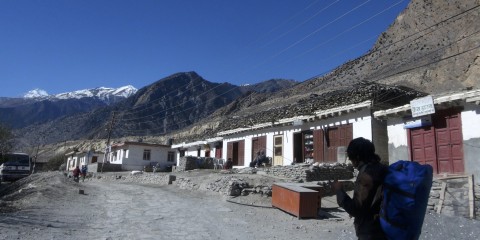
(360, 120)
(471, 140)
(135, 161)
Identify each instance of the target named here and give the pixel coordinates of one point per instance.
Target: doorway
(439, 145)
(278, 150)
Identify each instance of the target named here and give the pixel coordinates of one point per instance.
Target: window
(126, 153)
(171, 156)
(146, 154)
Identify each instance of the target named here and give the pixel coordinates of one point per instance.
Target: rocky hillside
(38, 107)
(432, 46)
(170, 104)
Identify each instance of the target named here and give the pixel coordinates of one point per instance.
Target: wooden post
(442, 197)
(471, 197)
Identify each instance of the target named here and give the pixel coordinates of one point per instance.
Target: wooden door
(258, 144)
(440, 145)
(236, 151)
(241, 153)
(319, 146)
(336, 137)
(449, 143)
(218, 151)
(230, 151)
(278, 150)
(423, 146)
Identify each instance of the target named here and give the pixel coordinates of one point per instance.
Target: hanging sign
(422, 106)
(297, 122)
(419, 122)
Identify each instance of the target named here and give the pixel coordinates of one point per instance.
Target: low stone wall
(226, 185)
(146, 178)
(107, 167)
(191, 163)
(310, 173)
(456, 199)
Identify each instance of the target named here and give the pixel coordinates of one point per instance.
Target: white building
(320, 137)
(447, 136)
(315, 129)
(212, 147)
(137, 155)
(79, 159)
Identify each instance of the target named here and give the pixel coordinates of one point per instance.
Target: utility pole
(110, 128)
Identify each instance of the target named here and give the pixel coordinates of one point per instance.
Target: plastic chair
(215, 163)
(218, 164)
(221, 163)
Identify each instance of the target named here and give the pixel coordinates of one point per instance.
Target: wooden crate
(296, 199)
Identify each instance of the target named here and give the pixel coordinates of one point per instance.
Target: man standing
(76, 174)
(365, 205)
(84, 172)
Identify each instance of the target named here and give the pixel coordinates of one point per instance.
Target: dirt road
(49, 206)
(132, 211)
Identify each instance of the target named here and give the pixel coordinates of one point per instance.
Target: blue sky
(68, 45)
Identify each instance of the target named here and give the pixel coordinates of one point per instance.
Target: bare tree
(6, 139)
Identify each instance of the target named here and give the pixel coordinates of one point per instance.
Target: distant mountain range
(37, 106)
(162, 107)
(108, 95)
(432, 47)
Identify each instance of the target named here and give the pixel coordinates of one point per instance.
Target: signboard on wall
(297, 122)
(422, 106)
(419, 122)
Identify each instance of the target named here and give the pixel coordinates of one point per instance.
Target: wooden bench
(296, 199)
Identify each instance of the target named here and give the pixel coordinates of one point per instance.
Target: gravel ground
(50, 206)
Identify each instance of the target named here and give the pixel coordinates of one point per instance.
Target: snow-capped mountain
(37, 106)
(103, 93)
(36, 93)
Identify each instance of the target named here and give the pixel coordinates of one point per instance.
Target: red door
(423, 147)
(218, 151)
(449, 143)
(336, 137)
(236, 151)
(319, 146)
(258, 144)
(440, 145)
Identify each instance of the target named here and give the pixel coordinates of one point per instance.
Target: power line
(414, 34)
(347, 30)
(138, 118)
(175, 106)
(284, 22)
(310, 34)
(144, 107)
(458, 14)
(299, 25)
(397, 73)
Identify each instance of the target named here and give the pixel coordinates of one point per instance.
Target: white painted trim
(469, 96)
(366, 104)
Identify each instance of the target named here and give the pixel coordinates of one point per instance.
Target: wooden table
(297, 199)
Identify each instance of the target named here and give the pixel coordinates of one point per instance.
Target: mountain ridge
(103, 93)
(169, 104)
(431, 47)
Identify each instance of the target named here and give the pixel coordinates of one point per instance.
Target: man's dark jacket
(365, 205)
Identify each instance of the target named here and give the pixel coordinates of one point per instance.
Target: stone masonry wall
(310, 173)
(190, 163)
(456, 199)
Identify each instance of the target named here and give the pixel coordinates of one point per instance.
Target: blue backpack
(405, 196)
